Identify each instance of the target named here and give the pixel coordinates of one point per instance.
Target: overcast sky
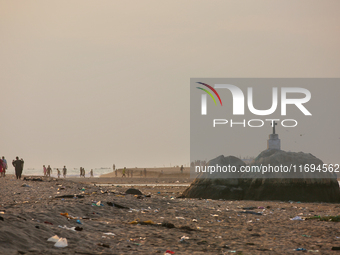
(92, 83)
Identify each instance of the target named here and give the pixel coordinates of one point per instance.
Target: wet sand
(31, 214)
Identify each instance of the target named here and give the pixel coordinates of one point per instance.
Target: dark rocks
(302, 186)
(133, 191)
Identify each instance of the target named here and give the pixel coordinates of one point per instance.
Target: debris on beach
(61, 243)
(54, 239)
(297, 218)
(325, 218)
(64, 227)
(117, 205)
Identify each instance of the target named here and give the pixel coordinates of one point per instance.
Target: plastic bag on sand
(109, 234)
(62, 242)
(169, 252)
(297, 218)
(64, 227)
(53, 239)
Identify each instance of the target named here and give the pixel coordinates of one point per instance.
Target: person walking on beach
(1, 169)
(58, 172)
(49, 171)
(44, 170)
(4, 165)
(64, 171)
(91, 173)
(82, 172)
(18, 166)
(123, 172)
(182, 168)
(114, 167)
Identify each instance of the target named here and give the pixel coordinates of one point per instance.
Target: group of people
(48, 171)
(18, 166)
(82, 172)
(129, 173)
(3, 166)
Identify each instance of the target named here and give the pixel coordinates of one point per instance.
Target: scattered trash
(137, 244)
(109, 234)
(147, 222)
(306, 236)
(78, 228)
(61, 243)
(183, 238)
(25, 185)
(46, 222)
(70, 196)
(260, 207)
(69, 216)
(116, 205)
(168, 225)
(133, 191)
(104, 245)
(180, 218)
(315, 251)
(64, 227)
(250, 212)
(79, 222)
(32, 179)
(194, 220)
(301, 249)
(325, 218)
(249, 208)
(53, 239)
(297, 218)
(169, 252)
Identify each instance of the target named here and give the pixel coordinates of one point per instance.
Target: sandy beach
(31, 213)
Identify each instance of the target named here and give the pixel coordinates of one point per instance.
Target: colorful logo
(207, 91)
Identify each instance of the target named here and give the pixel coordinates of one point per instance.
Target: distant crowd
(48, 171)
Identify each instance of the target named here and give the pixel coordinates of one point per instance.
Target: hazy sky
(91, 83)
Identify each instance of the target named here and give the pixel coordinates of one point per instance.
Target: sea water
(71, 172)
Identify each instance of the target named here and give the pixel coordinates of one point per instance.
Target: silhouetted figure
(123, 172)
(4, 166)
(1, 168)
(49, 171)
(18, 166)
(64, 171)
(182, 168)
